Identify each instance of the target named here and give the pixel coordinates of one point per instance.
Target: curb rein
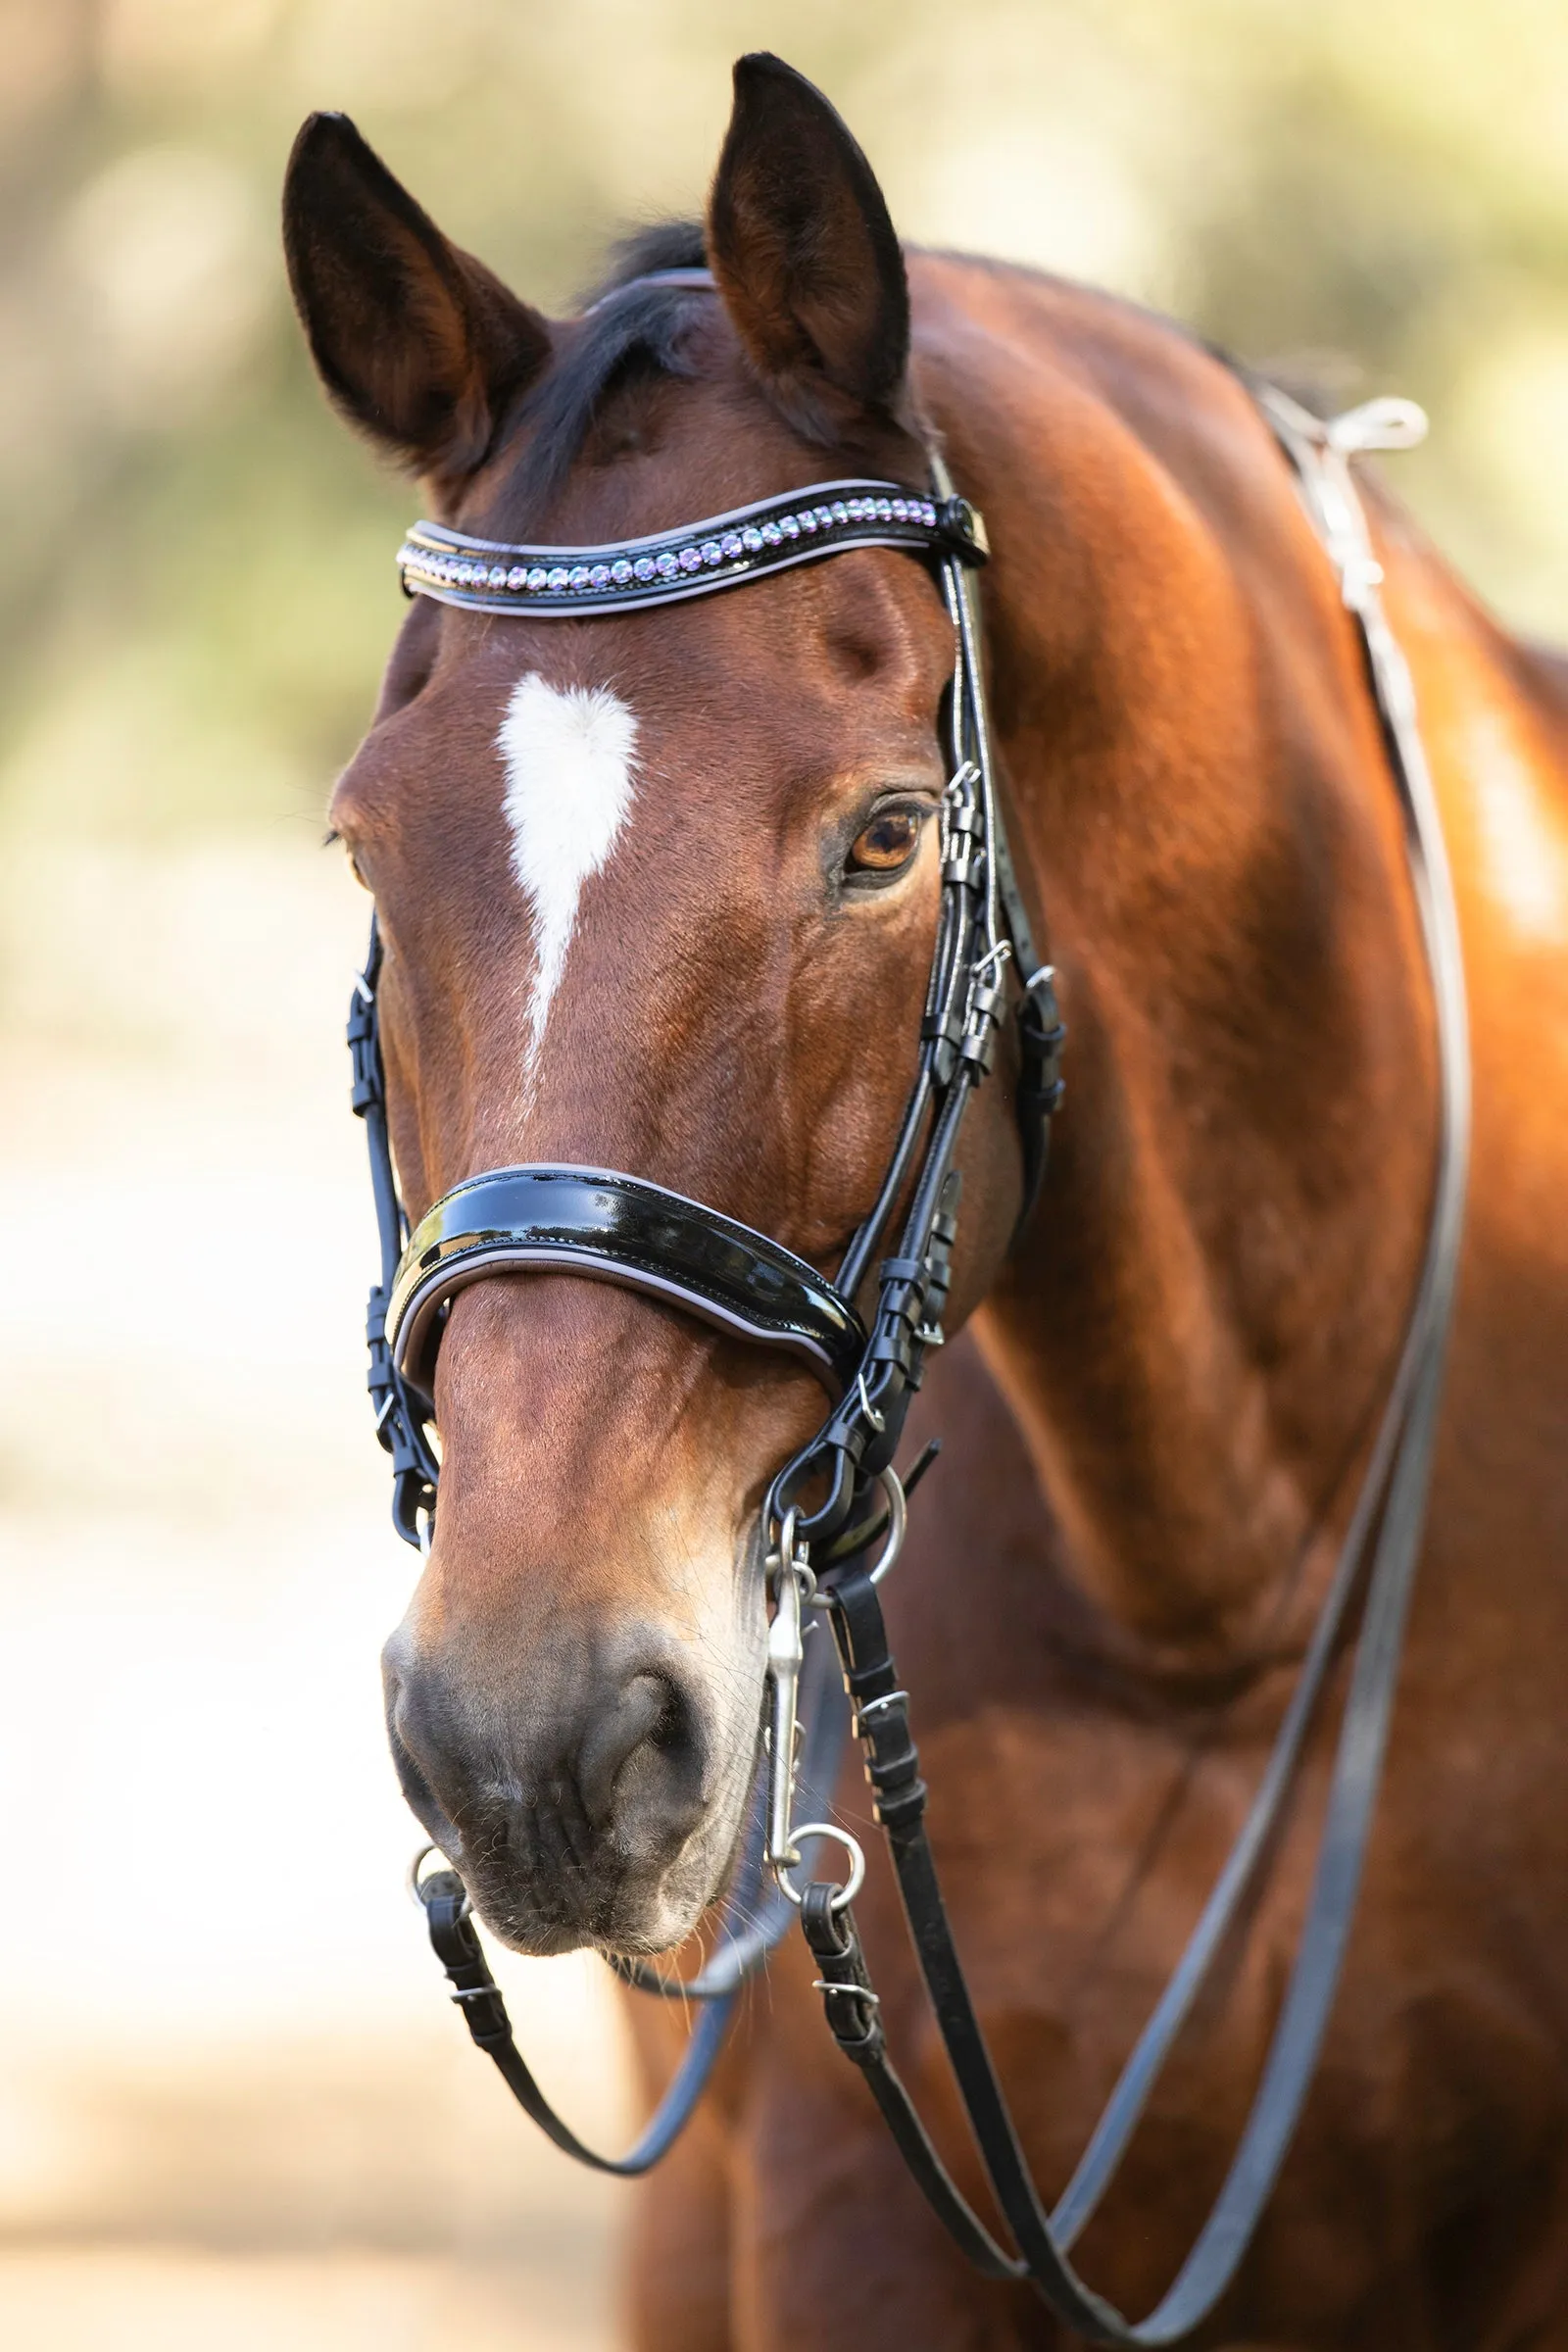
(624, 1229)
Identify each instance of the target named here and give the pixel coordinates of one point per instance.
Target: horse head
(657, 894)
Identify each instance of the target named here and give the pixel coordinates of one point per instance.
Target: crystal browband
(485, 575)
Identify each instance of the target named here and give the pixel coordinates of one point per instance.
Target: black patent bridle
(625, 1229)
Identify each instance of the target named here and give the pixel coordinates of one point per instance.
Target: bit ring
(415, 1884)
(844, 1895)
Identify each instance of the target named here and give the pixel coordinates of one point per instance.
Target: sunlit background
(234, 2109)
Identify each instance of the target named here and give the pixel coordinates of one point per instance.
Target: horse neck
(1200, 1326)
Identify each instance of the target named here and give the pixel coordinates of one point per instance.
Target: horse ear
(418, 345)
(801, 243)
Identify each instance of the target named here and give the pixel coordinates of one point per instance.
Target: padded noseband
(595, 1221)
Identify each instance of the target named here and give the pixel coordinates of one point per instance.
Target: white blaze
(567, 752)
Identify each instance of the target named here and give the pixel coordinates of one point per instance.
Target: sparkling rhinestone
(733, 545)
(751, 539)
(690, 560)
(666, 565)
(578, 576)
(598, 576)
(840, 511)
(884, 510)
(900, 509)
(620, 571)
(560, 577)
(789, 526)
(824, 517)
(537, 578)
(771, 534)
(807, 520)
(516, 576)
(928, 514)
(497, 575)
(644, 567)
(712, 553)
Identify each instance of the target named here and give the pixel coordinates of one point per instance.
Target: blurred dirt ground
(190, 2300)
(235, 2108)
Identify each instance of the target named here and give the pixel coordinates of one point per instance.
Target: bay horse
(655, 893)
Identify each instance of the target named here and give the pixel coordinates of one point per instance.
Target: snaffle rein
(622, 1228)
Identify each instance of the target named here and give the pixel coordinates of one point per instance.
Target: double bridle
(625, 1229)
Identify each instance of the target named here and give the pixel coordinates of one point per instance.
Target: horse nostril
(621, 1727)
(639, 1766)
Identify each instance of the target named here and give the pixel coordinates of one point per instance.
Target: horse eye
(888, 842)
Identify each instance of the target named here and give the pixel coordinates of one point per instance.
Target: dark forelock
(644, 331)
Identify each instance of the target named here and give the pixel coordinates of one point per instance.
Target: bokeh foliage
(197, 592)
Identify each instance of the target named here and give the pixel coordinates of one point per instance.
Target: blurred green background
(1381, 186)
(234, 2109)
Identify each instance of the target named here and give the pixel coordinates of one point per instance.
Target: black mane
(643, 333)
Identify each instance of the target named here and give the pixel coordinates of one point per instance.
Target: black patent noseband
(621, 1229)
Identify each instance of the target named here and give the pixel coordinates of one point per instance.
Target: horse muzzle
(584, 1799)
